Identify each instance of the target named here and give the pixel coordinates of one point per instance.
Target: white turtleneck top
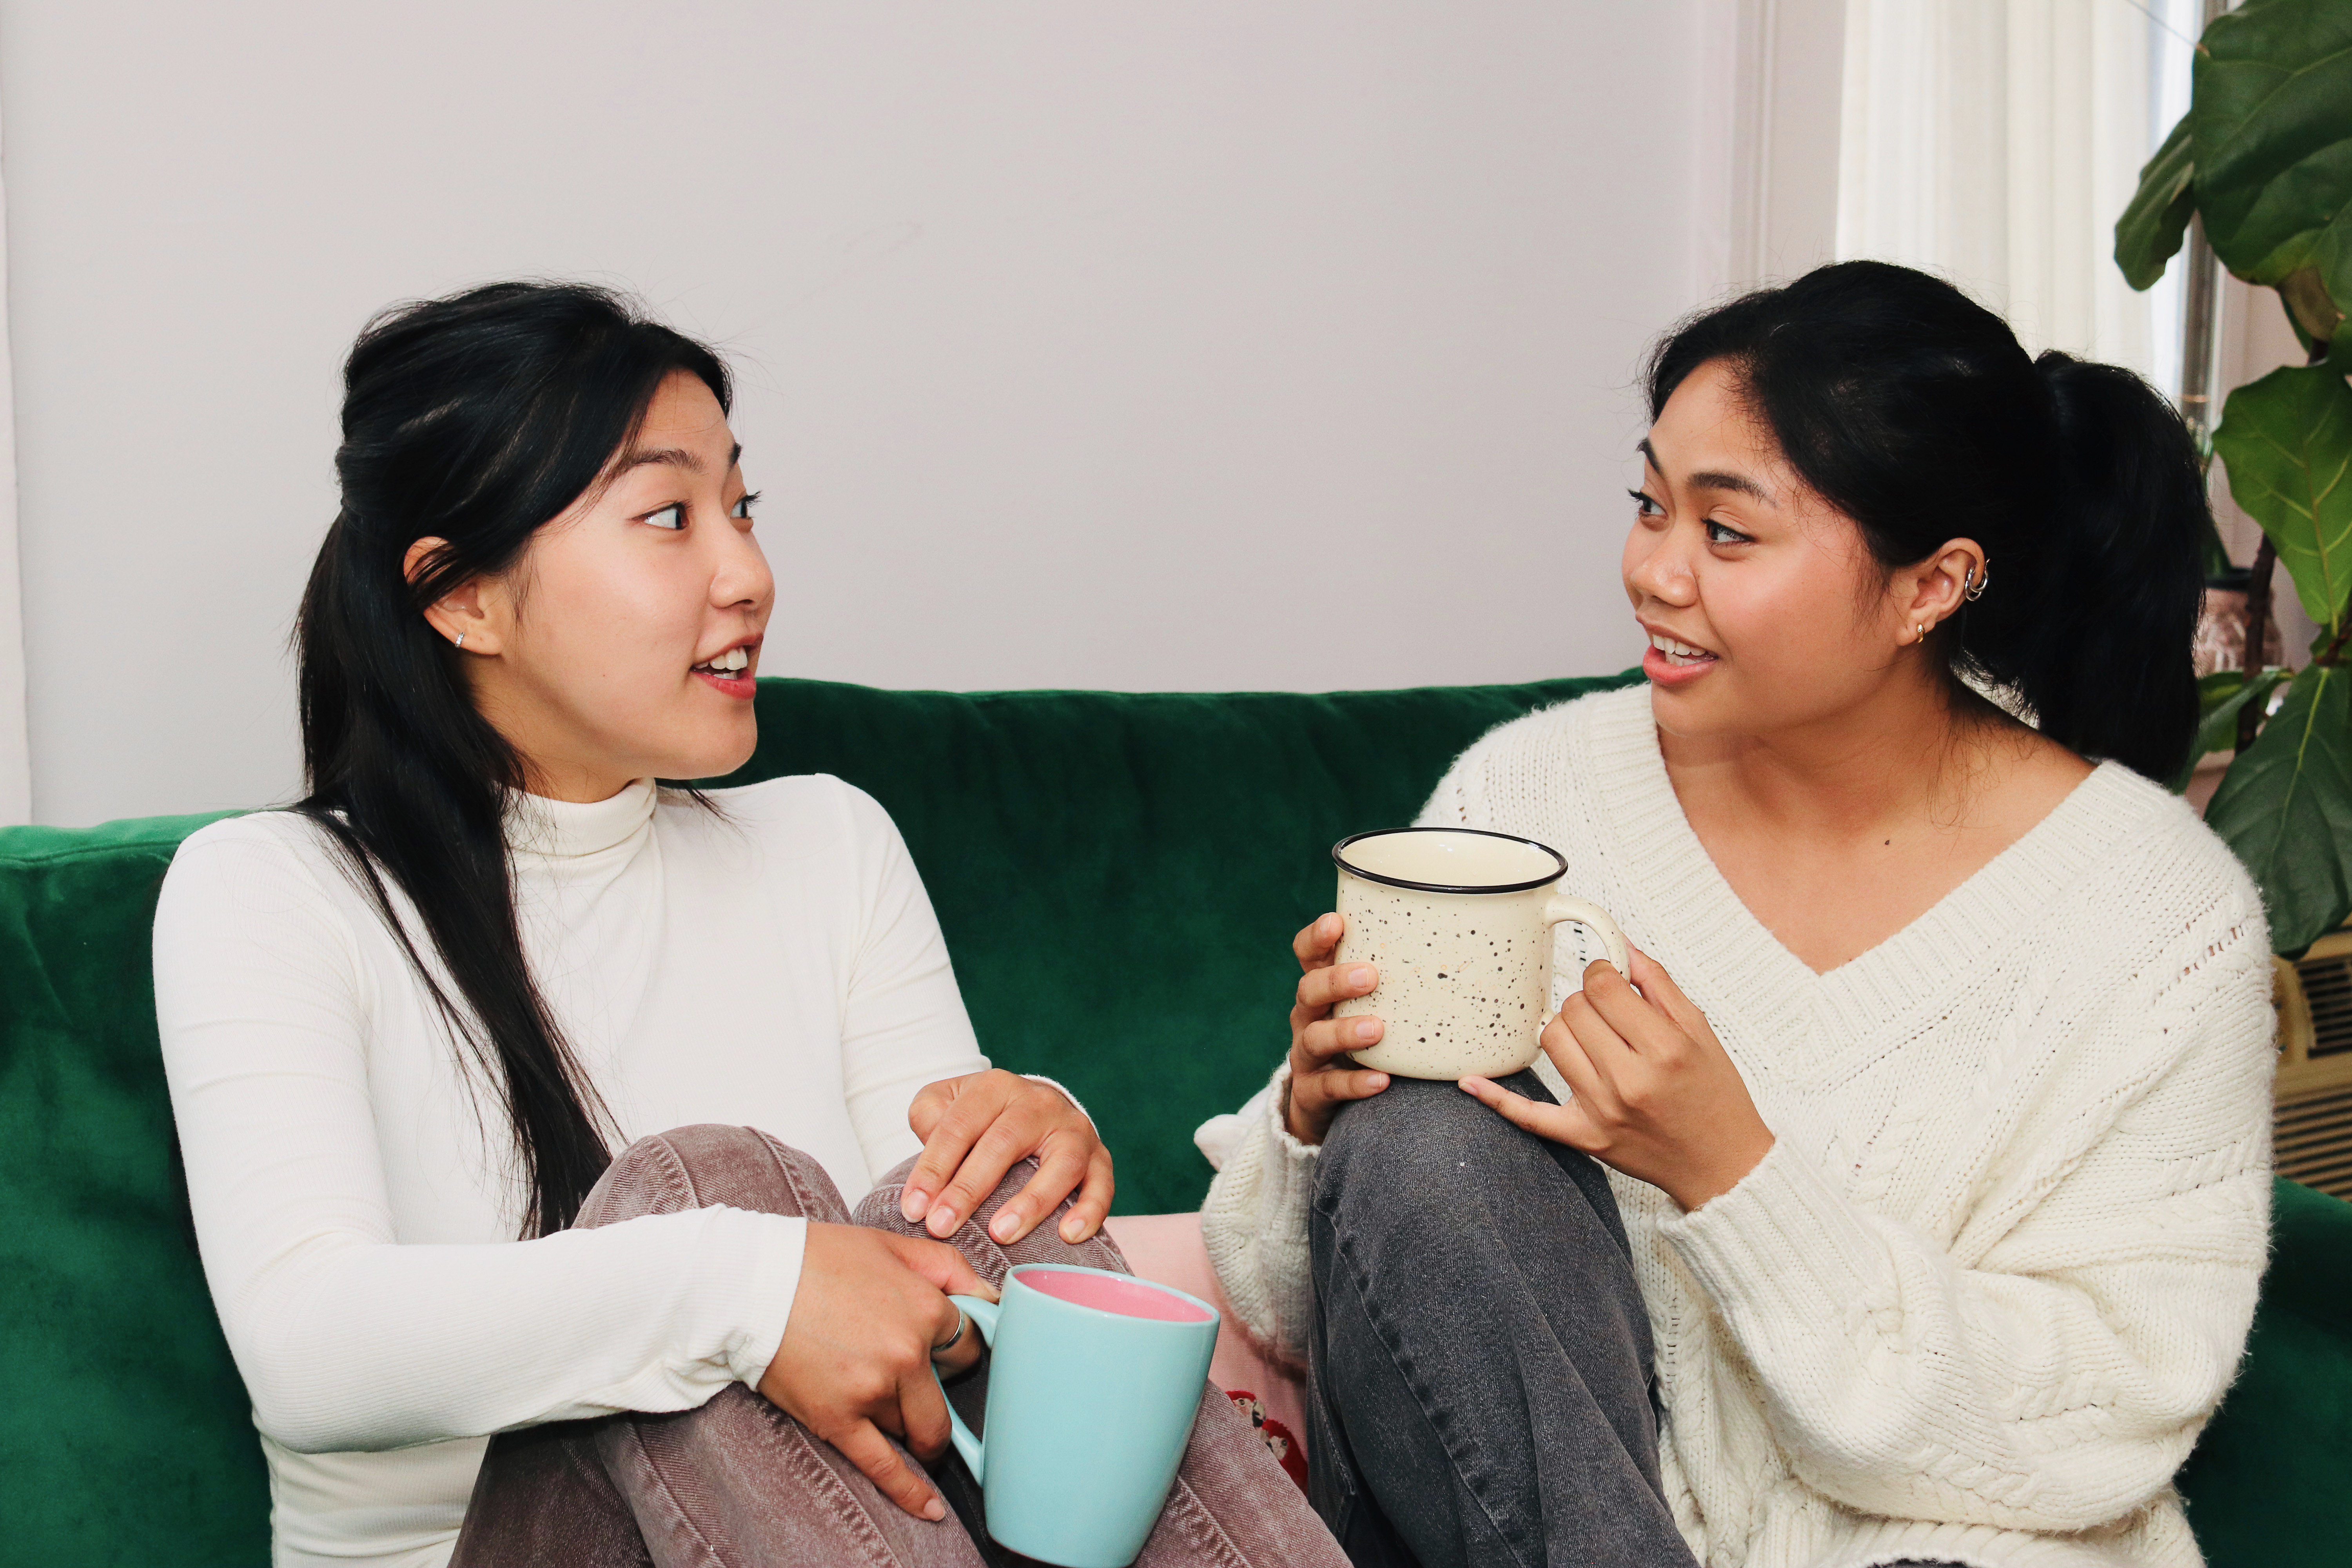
(774, 964)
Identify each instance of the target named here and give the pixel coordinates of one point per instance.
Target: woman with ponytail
(424, 1029)
(1909, 1204)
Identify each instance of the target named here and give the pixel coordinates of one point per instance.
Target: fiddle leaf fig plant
(2286, 440)
(2264, 157)
(2262, 160)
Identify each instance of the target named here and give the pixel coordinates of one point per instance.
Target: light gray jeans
(1481, 1390)
(739, 1484)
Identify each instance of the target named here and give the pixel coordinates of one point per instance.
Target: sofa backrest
(1119, 876)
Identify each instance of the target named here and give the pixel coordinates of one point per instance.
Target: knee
(707, 1166)
(989, 1258)
(1422, 1147)
(879, 1208)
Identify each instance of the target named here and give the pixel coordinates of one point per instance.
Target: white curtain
(15, 750)
(1995, 142)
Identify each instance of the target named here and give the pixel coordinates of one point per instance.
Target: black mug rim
(1339, 859)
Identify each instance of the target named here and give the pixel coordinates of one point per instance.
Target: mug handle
(984, 1318)
(1585, 913)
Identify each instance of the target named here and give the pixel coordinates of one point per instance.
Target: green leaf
(2271, 141)
(2220, 698)
(2287, 439)
(2285, 806)
(2148, 234)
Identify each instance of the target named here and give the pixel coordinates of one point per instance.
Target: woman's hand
(976, 1128)
(857, 1357)
(1322, 1079)
(1657, 1096)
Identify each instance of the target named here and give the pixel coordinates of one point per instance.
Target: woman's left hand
(976, 1128)
(1656, 1096)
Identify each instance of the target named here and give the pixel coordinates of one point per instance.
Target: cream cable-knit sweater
(1981, 1296)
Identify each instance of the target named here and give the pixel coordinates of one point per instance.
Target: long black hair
(1914, 411)
(474, 419)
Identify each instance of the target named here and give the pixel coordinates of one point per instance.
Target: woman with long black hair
(1935, 1116)
(423, 1030)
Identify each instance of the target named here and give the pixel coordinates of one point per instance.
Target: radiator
(2313, 1092)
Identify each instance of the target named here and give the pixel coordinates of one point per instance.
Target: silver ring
(461, 642)
(953, 1340)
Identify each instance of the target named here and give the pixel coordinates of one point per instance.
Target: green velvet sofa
(1118, 876)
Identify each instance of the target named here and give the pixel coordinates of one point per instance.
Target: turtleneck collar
(570, 830)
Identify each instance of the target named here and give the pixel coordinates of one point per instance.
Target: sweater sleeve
(347, 1338)
(1253, 1223)
(2057, 1379)
(903, 1024)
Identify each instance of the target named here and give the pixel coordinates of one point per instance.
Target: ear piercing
(461, 642)
(1974, 580)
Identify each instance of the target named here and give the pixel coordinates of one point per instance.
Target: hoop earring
(1977, 581)
(461, 642)
(1922, 637)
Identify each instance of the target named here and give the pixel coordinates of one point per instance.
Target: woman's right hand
(857, 1357)
(1322, 1079)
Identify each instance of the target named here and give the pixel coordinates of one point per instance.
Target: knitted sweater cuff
(1782, 1244)
(1253, 1224)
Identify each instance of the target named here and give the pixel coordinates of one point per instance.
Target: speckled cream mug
(1459, 921)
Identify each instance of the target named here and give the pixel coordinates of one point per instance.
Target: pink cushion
(1167, 1247)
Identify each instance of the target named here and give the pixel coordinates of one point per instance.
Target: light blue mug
(1093, 1382)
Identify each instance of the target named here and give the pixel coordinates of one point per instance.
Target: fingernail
(943, 1221)
(912, 1202)
(1363, 1029)
(1003, 1226)
(1380, 1081)
(1360, 975)
(935, 1510)
(1071, 1229)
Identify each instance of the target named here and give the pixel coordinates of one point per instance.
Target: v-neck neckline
(1698, 913)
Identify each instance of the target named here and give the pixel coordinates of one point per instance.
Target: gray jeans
(739, 1483)
(1481, 1390)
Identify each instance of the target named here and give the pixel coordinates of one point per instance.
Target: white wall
(1211, 345)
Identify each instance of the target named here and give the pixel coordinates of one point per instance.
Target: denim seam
(678, 1180)
(848, 1507)
(1354, 1282)
(677, 1511)
(1202, 1526)
(802, 1197)
(593, 1476)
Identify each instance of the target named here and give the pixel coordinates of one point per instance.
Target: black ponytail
(474, 419)
(1914, 411)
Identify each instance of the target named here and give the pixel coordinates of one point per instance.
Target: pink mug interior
(1112, 1293)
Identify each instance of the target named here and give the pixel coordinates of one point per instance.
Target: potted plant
(2263, 159)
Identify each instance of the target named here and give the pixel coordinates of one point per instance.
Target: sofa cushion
(125, 1436)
